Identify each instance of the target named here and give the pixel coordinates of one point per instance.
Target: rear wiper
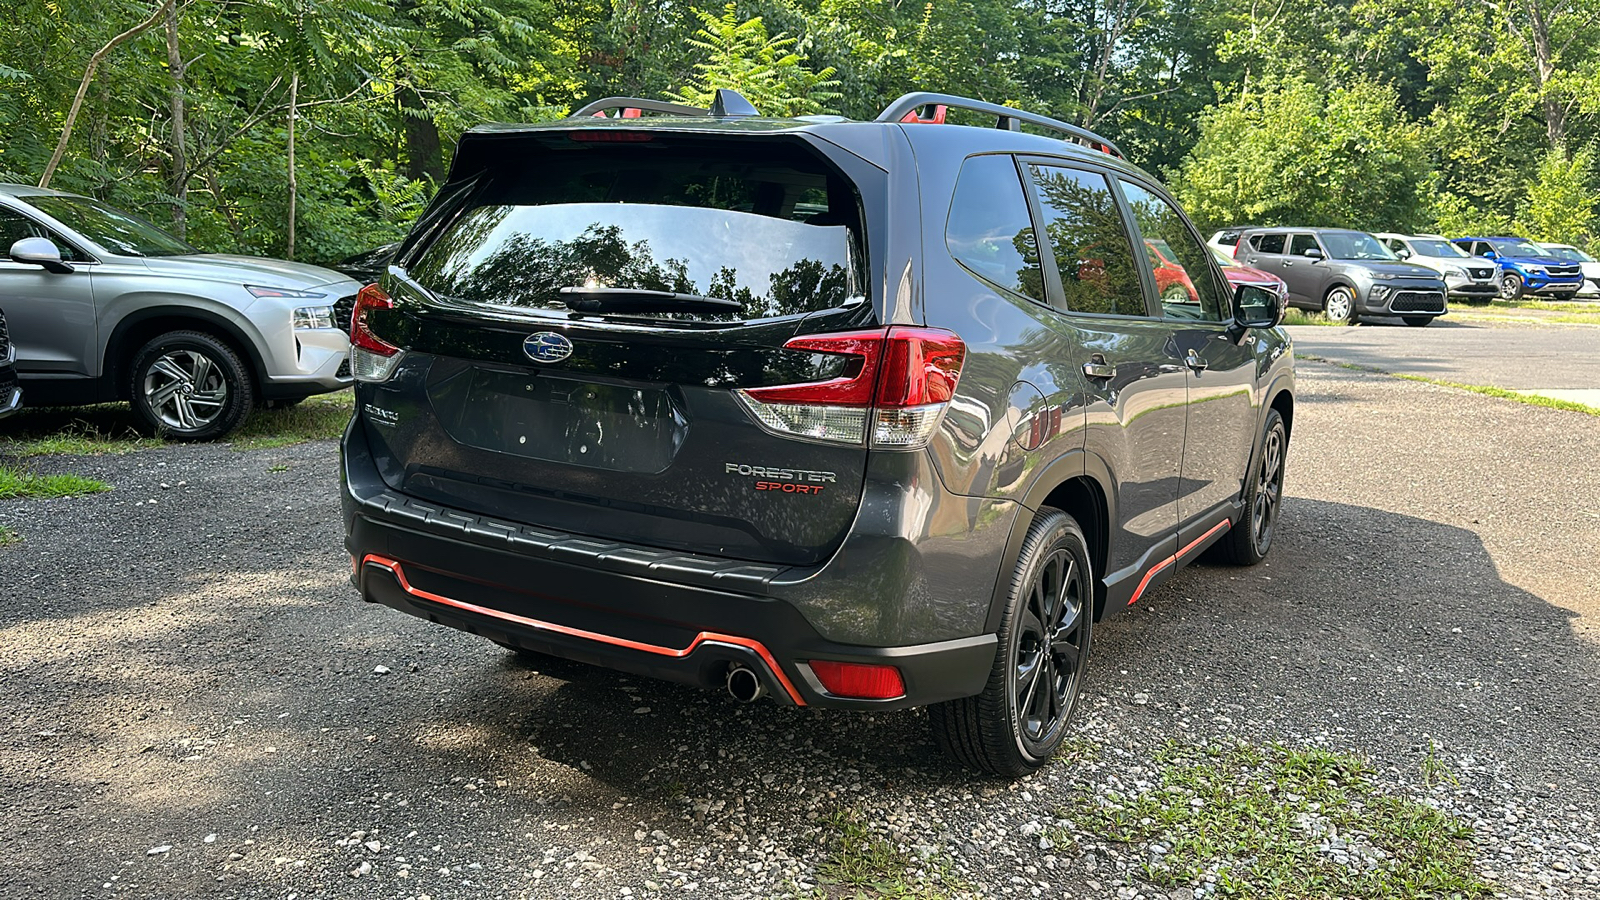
(617, 299)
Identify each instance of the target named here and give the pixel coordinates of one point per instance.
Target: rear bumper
(635, 609)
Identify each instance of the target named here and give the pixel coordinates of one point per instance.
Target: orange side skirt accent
(1145, 581)
(703, 637)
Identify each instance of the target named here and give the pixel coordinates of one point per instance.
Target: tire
(1418, 321)
(1511, 286)
(1340, 306)
(1011, 729)
(1250, 538)
(282, 404)
(1563, 297)
(189, 386)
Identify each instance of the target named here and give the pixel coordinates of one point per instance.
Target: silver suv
(105, 306)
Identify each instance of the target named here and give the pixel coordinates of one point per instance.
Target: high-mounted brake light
(371, 357)
(895, 398)
(862, 681)
(606, 135)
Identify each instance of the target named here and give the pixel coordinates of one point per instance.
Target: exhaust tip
(744, 685)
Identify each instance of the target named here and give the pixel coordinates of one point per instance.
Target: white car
(1468, 277)
(1227, 240)
(1591, 267)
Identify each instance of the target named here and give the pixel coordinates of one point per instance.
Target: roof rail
(725, 105)
(908, 109)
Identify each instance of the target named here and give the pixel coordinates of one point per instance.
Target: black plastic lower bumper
(657, 628)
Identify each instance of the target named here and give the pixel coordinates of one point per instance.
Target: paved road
(192, 709)
(1514, 356)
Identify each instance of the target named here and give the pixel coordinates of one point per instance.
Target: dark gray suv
(1346, 274)
(849, 414)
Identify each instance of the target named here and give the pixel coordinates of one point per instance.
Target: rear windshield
(776, 230)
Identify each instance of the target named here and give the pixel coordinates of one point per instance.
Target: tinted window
(1268, 243)
(15, 226)
(1090, 242)
(1426, 247)
(775, 230)
(1302, 243)
(1354, 245)
(1177, 259)
(111, 228)
(990, 231)
(1517, 247)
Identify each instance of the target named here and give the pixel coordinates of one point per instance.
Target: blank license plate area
(582, 423)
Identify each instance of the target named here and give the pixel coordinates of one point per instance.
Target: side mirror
(40, 251)
(1312, 253)
(1403, 253)
(1256, 307)
(1489, 254)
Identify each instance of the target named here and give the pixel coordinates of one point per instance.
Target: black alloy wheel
(1250, 538)
(1019, 721)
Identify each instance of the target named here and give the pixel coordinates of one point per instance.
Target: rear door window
(1268, 243)
(990, 231)
(778, 230)
(1090, 242)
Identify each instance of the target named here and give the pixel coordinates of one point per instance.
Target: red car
(1238, 273)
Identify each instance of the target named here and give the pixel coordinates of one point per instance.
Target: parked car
(833, 412)
(1526, 268)
(1586, 263)
(1239, 275)
(368, 265)
(1345, 274)
(10, 391)
(1465, 276)
(1227, 240)
(107, 306)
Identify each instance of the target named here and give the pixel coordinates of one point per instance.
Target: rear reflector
(897, 397)
(371, 357)
(859, 680)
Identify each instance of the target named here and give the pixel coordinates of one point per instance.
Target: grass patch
(9, 535)
(1484, 389)
(319, 418)
(110, 428)
(1546, 306)
(863, 864)
(1286, 825)
(1297, 316)
(15, 483)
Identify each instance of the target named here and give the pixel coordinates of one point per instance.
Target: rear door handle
(1194, 361)
(1097, 367)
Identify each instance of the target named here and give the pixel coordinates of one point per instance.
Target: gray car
(1346, 274)
(105, 306)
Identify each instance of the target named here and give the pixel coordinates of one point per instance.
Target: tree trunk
(294, 99)
(179, 183)
(1555, 112)
(424, 152)
(83, 88)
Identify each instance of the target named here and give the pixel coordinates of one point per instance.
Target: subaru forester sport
(850, 414)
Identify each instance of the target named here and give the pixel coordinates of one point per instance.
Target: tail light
(371, 357)
(894, 400)
(862, 681)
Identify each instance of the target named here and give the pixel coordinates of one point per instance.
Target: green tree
(1298, 155)
(1561, 199)
(767, 69)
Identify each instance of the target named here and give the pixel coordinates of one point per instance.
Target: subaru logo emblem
(547, 347)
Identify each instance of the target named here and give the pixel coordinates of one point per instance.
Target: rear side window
(990, 232)
(1268, 243)
(776, 229)
(1093, 253)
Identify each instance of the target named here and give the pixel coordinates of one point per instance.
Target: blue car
(1526, 268)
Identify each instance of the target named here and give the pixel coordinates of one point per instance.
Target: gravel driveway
(196, 704)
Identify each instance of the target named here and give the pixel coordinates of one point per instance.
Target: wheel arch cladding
(141, 327)
(1283, 402)
(1074, 484)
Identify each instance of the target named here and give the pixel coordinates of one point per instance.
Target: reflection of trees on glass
(990, 231)
(1091, 246)
(526, 271)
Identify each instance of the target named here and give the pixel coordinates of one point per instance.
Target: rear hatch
(562, 368)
